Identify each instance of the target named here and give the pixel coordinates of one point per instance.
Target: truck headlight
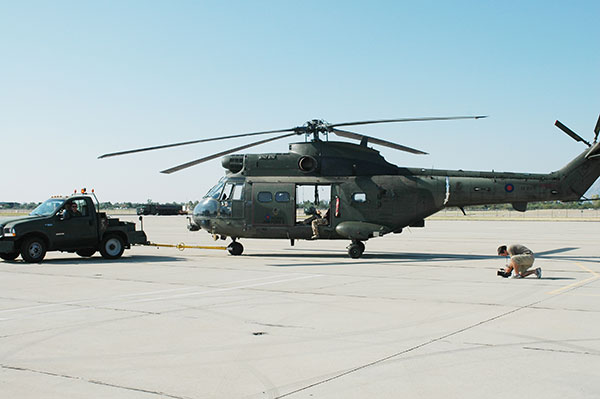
(9, 232)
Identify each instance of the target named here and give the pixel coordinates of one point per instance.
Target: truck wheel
(86, 252)
(33, 250)
(112, 247)
(9, 256)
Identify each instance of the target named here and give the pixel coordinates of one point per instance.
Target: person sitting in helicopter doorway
(521, 259)
(319, 221)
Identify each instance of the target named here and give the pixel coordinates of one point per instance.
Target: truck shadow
(96, 260)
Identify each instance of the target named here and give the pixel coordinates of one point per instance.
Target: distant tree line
(103, 205)
(594, 203)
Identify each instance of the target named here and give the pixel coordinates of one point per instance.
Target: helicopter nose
(205, 210)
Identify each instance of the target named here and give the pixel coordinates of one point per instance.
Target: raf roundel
(509, 188)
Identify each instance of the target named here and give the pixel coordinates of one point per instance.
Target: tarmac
(421, 315)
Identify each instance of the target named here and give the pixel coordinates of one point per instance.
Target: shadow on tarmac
(388, 257)
(96, 260)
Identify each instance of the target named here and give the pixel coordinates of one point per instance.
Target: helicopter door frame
(308, 194)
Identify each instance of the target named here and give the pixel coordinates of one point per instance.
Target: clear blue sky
(82, 78)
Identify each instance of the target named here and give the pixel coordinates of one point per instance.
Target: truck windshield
(47, 207)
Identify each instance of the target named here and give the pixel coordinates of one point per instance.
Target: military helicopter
(366, 196)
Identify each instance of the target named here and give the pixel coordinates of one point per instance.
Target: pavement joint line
(419, 346)
(595, 276)
(560, 351)
(226, 289)
(96, 382)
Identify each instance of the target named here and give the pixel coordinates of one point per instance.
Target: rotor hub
(316, 127)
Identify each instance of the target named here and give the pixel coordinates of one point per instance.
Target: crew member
(521, 259)
(319, 221)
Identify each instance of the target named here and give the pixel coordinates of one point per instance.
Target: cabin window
(265, 196)
(282, 196)
(359, 197)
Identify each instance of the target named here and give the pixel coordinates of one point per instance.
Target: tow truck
(67, 224)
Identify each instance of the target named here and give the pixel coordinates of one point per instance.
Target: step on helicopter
(363, 195)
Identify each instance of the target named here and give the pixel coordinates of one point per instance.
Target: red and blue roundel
(509, 188)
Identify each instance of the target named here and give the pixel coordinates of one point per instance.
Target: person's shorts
(524, 261)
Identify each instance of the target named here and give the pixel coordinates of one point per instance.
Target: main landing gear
(235, 248)
(356, 249)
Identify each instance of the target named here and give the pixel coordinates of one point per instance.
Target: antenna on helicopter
(313, 127)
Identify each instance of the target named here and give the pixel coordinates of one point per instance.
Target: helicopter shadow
(411, 257)
(370, 258)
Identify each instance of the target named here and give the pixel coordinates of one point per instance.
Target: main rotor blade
(597, 128)
(158, 147)
(571, 133)
(220, 154)
(362, 137)
(432, 118)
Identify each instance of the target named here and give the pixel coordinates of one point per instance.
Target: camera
(503, 273)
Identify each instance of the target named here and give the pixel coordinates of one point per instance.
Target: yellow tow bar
(181, 246)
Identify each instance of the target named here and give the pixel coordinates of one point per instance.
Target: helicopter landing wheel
(235, 248)
(356, 249)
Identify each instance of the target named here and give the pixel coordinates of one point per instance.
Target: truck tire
(112, 247)
(10, 256)
(86, 252)
(33, 250)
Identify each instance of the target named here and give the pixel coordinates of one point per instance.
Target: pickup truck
(68, 224)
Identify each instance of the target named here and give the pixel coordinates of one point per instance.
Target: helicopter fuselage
(261, 195)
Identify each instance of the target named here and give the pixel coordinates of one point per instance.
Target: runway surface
(421, 315)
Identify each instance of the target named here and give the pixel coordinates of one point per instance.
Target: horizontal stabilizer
(594, 152)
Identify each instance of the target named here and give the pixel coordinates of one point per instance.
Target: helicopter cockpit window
(215, 191)
(226, 195)
(265, 196)
(359, 197)
(232, 191)
(282, 196)
(236, 194)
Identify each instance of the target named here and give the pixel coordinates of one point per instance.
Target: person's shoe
(314, 237)
(538, 272)
(516, 276)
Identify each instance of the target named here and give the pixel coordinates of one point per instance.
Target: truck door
(273, 204)
(77, 227)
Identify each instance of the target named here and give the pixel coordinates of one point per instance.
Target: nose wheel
(235, 248)
(356, 249)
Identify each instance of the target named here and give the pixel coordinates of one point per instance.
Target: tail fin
(579, 174)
